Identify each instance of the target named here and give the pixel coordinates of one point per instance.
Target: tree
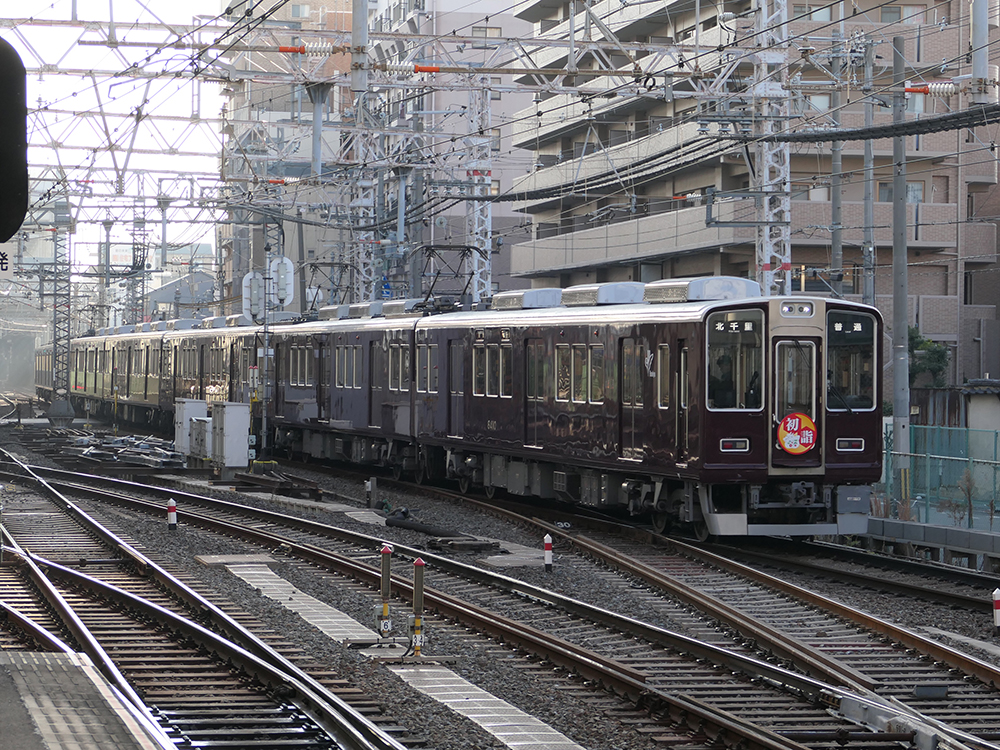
(927, 357)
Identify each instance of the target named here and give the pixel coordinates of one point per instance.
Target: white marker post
(548, 553)
(171, 515)
(996, 612)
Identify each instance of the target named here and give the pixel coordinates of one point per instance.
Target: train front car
(791, 419)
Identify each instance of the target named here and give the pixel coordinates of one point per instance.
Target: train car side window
(506, 372)
(341, 360)
(735, 359)
(432, 369)
(663, 376)
(359, 364)
(850, 361)
(394, 367)
(478, 370)
(579, 373)
(404, 367)
(492, 370)
(422, 368)
(563, 373)
(455, 384)
(597, 374)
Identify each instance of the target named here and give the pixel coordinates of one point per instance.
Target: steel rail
(315, 703)
(594, 666)
(337, 708)
(86, 640)
(952, 599)
(45, 638)
(983, 671)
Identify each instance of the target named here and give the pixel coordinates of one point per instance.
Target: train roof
(664, 300)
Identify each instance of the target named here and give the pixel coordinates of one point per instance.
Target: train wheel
(700, 529)
(464, 483)
(660, 522)
(397, 471)
(421, 475)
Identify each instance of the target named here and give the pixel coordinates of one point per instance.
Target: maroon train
(695, 401)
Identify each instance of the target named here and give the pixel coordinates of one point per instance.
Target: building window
(495, 139)
(486, 32)
(903, 13)
(300, 11)
(495, 81)
(495, 187)
(819, 193)
(914, 192)
(811, 13)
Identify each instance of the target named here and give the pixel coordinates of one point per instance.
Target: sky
(184, 144)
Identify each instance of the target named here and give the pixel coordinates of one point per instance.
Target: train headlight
(796, 309)
(734, 445)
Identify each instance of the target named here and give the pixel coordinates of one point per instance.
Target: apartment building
(619, 186)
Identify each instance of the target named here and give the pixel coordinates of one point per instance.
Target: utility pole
(868, 237)
(836, 168)
(900, 288)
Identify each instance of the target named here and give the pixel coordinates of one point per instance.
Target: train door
(376, 375)
(795, 412)
(456, 387)
(682, 444)
(633, 359)
(534, 392)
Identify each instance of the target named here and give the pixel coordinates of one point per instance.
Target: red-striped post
(996, 612)
(171, 515)
(548, 553)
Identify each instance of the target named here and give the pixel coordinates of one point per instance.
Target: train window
(479, 370)
(563, 373)
(293, 366)
(422, 368)
(579, 373)
(358, 365)
(735, 359)
(597, 374)
(404, 367)
(850, 361)
(455, 370)
(343, 378)
(663, 376)
(506, 372)
(432, 369)
(394, 367)
(795, 375)
(493, 370)
(533, 370)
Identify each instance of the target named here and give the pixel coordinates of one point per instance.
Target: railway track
(200, 688)
(654, 666)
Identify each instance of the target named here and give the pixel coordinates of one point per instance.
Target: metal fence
(953, 478)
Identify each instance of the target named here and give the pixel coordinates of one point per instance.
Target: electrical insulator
(321, 48)
(727, 16)
(942, 88)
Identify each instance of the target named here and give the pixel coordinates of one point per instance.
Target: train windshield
(735, 359)
(850, 361)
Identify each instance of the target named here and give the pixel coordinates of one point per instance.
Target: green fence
(952, 471)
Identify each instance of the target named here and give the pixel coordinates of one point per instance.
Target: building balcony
(655, 237)
(603, 164)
